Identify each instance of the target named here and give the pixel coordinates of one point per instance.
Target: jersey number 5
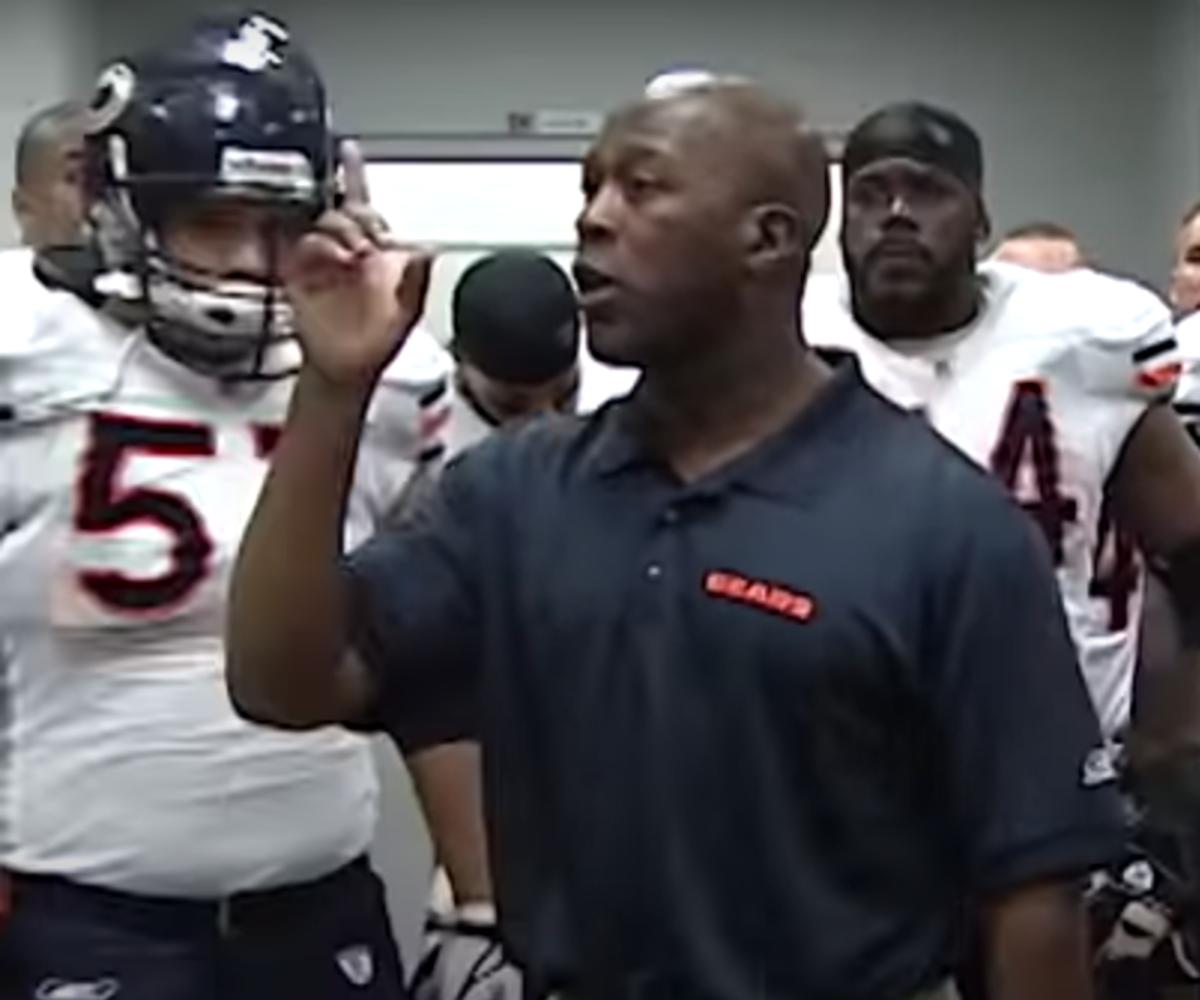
(105, 505)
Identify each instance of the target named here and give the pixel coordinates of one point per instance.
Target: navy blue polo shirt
(762, 735)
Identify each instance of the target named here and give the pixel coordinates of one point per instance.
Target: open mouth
(594, 284)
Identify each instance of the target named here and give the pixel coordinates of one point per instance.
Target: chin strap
(72, 268)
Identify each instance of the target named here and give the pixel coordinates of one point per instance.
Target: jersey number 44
(1026, 460)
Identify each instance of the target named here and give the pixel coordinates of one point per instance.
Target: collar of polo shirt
(617, 447)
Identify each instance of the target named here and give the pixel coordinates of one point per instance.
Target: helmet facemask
(228, 326)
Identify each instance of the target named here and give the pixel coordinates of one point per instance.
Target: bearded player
(1059, 384)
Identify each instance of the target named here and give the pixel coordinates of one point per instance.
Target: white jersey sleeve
(42, 368)
(403, 441)
(1131, 351)
(46, 367)
(825, 316)
(1124, 353)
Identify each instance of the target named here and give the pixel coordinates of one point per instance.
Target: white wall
(1089, 110)
(1176, 79)
(1066, 93)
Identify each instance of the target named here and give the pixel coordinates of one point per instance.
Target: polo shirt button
(653, 571)
(670, 515)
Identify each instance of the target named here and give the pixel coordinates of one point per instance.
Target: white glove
(463, 958)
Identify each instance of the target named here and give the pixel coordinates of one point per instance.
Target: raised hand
(356, 292)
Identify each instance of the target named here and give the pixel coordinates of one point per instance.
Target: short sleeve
(1128, 350)
(414, 616)
(1032, 786)
(404, 441)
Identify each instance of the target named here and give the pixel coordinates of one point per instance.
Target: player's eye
(927, 187)
(868, 192)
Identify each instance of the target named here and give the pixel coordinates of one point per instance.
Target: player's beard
(910, 310)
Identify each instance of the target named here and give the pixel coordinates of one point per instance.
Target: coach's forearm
(286, 631)
(449, 786)
(1037, 944)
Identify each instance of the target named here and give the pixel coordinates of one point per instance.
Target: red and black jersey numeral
(1027, 443)
(1189, 413)
(105, 506)
(1116, 568)
(266, 438)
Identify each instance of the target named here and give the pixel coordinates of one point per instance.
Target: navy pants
(324, 940)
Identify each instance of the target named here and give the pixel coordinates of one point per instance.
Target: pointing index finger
(354, 174)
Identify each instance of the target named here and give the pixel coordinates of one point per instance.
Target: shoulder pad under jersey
(1119, 332)
(411, 402)
(56, 352)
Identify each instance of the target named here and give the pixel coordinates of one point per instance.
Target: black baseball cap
(920, 132)
(515, 318)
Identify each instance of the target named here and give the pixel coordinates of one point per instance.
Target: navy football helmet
(235, 110)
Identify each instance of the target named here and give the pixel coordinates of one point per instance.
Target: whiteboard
(468, 208)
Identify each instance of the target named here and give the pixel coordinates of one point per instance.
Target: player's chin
(892, 284)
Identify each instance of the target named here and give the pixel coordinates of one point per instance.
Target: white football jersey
(126, 481)
(1043, 388)
(21, 290)
(599, 383)
(466, 426)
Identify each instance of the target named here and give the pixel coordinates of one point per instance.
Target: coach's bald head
(757, 144)
(703, 207)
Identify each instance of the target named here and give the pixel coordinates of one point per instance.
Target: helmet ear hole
(222, 315)
(112, 95)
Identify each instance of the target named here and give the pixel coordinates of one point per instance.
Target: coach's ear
(772, 234)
